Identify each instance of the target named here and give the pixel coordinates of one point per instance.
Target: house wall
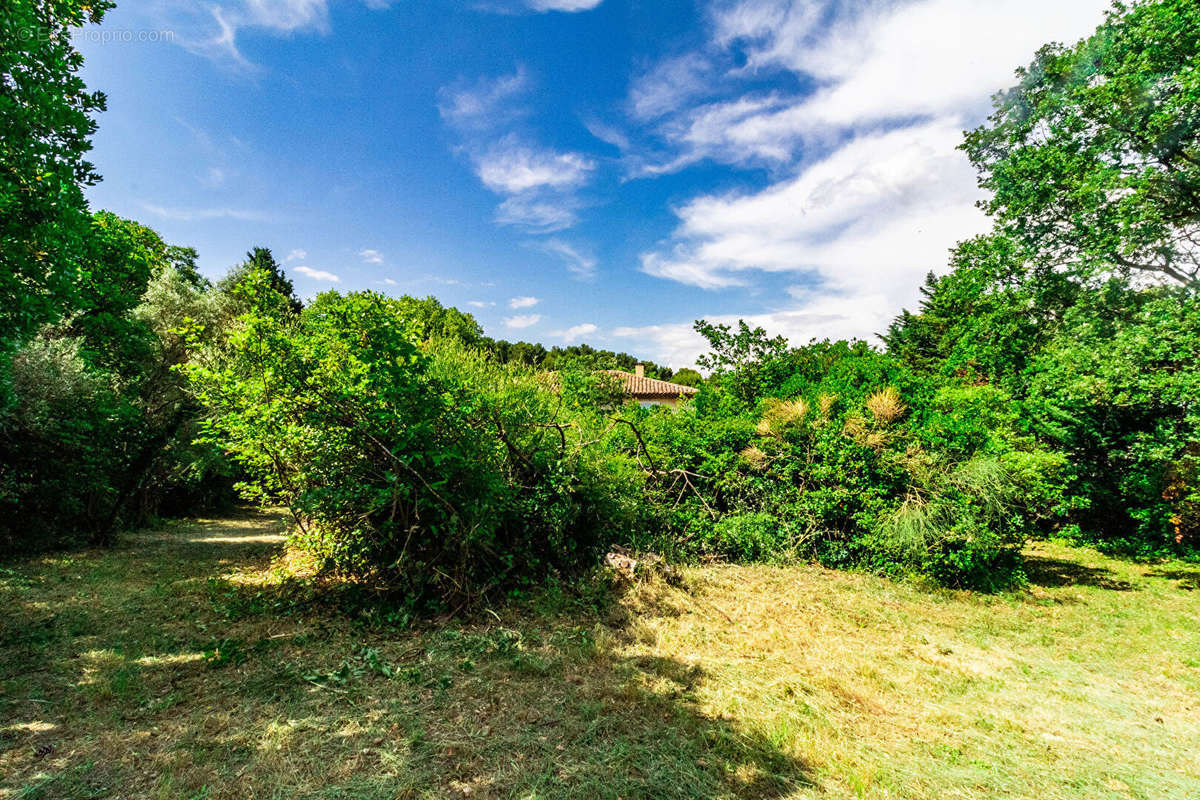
(646, 402)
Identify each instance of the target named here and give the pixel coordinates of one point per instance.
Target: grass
(187, 664)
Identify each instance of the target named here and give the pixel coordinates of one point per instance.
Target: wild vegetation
(956, 562)
(1047, 385)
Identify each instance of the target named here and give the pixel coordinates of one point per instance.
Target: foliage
(571, 356)
(45, 125)
(1122, 398)
(1092, 165)
(751, 363)
(429, 469)
(687, 377)
(1093, 159)
(262, 260)
(843, 466)
(98, 432)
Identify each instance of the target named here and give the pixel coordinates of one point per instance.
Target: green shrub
(431, 471)
(749, 537)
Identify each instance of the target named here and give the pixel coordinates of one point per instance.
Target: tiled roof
(641, 386)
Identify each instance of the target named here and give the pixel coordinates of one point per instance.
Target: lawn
(186, 663)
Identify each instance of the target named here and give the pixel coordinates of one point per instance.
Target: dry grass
(779, 414)
(885, 405)
(176, 667)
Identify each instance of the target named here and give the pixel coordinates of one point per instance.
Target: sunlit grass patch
(190, 662)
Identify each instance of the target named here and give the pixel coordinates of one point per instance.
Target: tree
(429, 318)
(45, 128)
(748, 360)
(261, 259)
(1093, 159)
(687, 377)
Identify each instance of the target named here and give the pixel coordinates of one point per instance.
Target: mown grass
(188, 663)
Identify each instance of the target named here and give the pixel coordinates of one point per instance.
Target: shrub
(748, 537)
(432, 472)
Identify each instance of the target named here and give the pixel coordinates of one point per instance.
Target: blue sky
(568, 170)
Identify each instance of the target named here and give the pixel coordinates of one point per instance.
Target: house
(649, 391)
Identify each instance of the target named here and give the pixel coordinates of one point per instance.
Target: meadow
(196, 660)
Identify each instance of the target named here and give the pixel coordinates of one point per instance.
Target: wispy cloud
(371, 256)
(200, 214)
(539, 6)
(563, 5)
(480, 304)
(522, 320)
(523, 302)
(536, 215)
(318, 274)
(575, 332)
(511, 167)
(670, 84)
(581, 265)
(851, 317)
(296, 255)
(538, 183)
(878, 212)
(212, 30)
(486, 104)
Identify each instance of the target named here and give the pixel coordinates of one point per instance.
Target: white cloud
(522, 320)
(882, 209)
(536, 215)
(510, 167)
(677, 344)
(893, 60)
(194, 29)
(871, 63)
(317, 274)
(579, 264)
(296, 255)
(213, 177)
(200, 214)
(539, 183)
(866, 191)
(563, 5)
(389, 282)
(486, 104)
(523, 302)
(371, 256)
(480, 304)
(669, 84)
(575, 332)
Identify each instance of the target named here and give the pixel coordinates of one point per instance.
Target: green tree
(428, 318)
(1093, 159)
(747, 360)
(687, 377)
(46, 121)
(260, 259)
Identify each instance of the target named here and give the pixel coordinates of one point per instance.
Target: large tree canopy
(1093, 159)
(45, 125)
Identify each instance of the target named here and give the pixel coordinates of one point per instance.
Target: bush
(430, 471)
(749, 537)
(934, 479)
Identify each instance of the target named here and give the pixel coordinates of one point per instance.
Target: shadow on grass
(1189, 579)
(161, 678)
(1053, 573)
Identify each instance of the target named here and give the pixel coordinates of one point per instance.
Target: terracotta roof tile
(641, 386)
